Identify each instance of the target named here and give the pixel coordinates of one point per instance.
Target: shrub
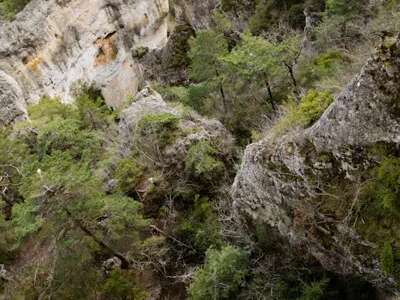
(306, 112)
(261, 20)
(49, 109)
(66, 135)
(201, 161)
(344, 8)
(160, 126)
(387, 189)
(92, 109)
(222, 275)
(312, 106)
(200, 227)
(296, 16)
(26, 219)
(325, 65)
(128, 174)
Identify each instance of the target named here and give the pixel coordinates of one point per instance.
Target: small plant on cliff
(306, 112)
(314, 290)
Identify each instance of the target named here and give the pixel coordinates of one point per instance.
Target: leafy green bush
(50, 109)
(324, 65)
(128, 174)
(306, 112)
(202, 162)
(162, 127)
(26, 219)
(261, 20)
(344, 7)
(67, 135)
(222, 276)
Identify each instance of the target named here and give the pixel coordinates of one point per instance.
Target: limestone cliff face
(54, 44)
(283, 182)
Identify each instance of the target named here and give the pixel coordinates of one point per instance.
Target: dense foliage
(83, 217)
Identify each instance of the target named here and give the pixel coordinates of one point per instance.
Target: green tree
(63, 196)
(255, 59)
(288, 52)
(13, 156)
(205, 52)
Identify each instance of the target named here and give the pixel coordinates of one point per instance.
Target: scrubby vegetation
(222, 275)
(82, 218)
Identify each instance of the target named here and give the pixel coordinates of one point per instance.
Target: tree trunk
(222, 92)
(271, 97)
(124, 261)
(293, 79)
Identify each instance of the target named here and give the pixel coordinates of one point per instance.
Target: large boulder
(285, 181)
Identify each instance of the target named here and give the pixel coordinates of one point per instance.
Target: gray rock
(52, 44)
(197, 128)
(279, 177)
(11, 103)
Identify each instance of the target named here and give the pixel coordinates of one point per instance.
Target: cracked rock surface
(280, 178)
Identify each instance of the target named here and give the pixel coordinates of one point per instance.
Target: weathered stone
(52, 44)
(11, 101)
(280, 177)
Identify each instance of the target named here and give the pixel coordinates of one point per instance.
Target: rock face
(11, 103)
(283, 181)
(168, 153)
(54, 44)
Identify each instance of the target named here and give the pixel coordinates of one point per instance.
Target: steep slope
(287, 182)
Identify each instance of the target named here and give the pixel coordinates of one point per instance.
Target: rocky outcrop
(161, 135)
(192, 127)
(52, 45)
(283, 182)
